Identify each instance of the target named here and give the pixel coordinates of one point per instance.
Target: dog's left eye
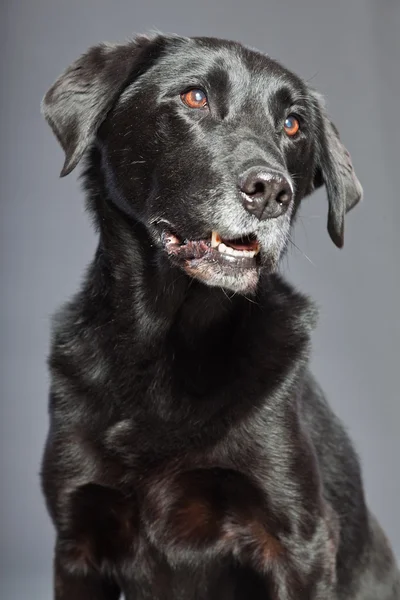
(194, 98)
(291, 125)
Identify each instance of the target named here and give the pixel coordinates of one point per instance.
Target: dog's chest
(212, 513)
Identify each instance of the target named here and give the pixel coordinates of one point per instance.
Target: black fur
(191, 454)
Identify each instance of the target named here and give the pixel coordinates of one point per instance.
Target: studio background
(350, 50)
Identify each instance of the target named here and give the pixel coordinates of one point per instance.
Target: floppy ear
(78, 102)
(335, 169)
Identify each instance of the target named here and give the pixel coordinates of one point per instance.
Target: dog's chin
(238, 279)
(234, 265)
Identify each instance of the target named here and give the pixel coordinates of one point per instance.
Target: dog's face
(210, 145)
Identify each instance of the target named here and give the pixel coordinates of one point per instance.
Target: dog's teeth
(224, 249)
(215, 239)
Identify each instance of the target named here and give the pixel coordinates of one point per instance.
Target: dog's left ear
(78, 102)
(334, 168)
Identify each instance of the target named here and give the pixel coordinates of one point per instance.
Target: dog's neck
(153, 297)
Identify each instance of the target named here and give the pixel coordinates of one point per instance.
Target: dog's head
(208, 144)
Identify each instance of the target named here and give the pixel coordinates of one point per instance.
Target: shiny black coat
(190, 453)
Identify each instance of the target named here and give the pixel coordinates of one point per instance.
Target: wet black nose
(266, 194)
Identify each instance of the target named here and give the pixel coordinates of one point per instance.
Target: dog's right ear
(78, 102)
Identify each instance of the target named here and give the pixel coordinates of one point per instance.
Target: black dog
(191, 455)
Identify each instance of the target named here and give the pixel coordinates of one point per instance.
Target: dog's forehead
(213, 60)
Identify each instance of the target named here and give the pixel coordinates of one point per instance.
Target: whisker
(252, 301)
(229, 298)
(313, 76)
(301, 251)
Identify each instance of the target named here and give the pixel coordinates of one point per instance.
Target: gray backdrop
(351, 51)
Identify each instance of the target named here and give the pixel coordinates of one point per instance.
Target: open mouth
(246, 246)
(233, 263)
(241, 252)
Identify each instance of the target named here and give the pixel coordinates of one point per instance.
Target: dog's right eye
(194, 98)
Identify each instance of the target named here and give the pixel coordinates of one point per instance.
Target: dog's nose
(266, 194)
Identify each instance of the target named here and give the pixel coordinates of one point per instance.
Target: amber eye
(194, 98)
(291, 125)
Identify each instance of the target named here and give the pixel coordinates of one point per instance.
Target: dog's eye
(194, 98)
(291, 125)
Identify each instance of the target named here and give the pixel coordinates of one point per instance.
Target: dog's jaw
(232, 265)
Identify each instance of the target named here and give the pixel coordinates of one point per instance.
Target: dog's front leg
(81, 586)
(306, 569)
(96, 531)
(298, 515)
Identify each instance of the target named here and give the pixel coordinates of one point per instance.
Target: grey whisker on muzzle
(289, 239)
(301, 251)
